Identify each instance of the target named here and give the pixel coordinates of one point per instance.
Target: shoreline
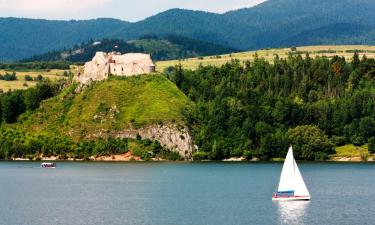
(129, 158)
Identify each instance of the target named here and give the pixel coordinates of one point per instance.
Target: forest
(257, 109)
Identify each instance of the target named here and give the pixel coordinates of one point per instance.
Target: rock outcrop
(172, 137)
(104, 64)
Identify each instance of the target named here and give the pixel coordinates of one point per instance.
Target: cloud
(50, 7)
(132, 10)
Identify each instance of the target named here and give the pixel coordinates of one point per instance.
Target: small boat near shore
(48, 165)
(291, 185)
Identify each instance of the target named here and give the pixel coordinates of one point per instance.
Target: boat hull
(293, 198)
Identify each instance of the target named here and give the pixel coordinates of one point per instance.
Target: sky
(129, 10)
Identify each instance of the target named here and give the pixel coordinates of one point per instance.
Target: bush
(199, 156)
(10, 77)
(39, 78)
(28, 78)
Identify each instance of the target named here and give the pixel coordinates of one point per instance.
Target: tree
(371, 145)
(309, 141)
(12, 106)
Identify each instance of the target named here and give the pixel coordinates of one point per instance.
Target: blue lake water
(181, 193)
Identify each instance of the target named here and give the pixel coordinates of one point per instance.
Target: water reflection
(292, 212)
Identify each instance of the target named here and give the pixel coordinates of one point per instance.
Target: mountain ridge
(274, 23)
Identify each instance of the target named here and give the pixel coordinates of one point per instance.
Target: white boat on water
(48, 165)
(291, 185)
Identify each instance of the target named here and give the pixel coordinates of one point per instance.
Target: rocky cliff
(171, 136)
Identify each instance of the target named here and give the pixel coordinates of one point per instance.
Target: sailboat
(291, 185)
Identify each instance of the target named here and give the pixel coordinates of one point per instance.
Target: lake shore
(128, 157)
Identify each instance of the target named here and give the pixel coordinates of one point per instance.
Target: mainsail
(291, 179)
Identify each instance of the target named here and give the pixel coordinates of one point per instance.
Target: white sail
(291, 179)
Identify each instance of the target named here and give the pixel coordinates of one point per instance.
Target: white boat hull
(294, 198)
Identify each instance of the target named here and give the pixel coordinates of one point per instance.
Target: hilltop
(148, 106)
(274, 23)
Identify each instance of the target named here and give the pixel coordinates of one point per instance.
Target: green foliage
(35, 66)
(163, 48)
(198, 156)
(15, 103)
(66, 123)
(371, 145)
(247, 109)
(28, 78)
(310, 142)
(8, 76)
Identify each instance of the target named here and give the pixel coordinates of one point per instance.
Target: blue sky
(130, 10)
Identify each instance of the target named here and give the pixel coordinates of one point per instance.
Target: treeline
(258, 109)
(16, 143)
(8, 76)
(24, 66)
(14, 103)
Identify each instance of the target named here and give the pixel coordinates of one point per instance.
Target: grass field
(268, 54)
(350, 151)
(20, 83)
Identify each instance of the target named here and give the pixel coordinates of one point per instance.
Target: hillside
(163, 48)
(149, 106)
(274, 23)
(114, 104)
(328, 51)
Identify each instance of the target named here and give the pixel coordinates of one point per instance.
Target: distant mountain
(21, 38)
(169, 47)
(274, 23)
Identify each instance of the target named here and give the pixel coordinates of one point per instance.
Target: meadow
(269, 54)
(21, 83)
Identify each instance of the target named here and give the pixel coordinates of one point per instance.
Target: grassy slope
(114, 104)
(269, 54)
(350, 151)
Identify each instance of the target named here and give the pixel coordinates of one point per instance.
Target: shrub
(200, 156)
(28, 78)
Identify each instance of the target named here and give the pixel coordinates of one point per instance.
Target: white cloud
(132, 10)
(50, 7)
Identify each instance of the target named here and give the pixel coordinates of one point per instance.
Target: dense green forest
(274, 23)
(160, 48)
(258, 109)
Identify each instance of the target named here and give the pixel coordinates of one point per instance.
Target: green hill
(63, 123)
(114, 104)
(163, 48)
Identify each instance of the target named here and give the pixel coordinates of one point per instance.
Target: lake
(181, 194)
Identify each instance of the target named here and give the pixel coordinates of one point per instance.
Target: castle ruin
(105, 64)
